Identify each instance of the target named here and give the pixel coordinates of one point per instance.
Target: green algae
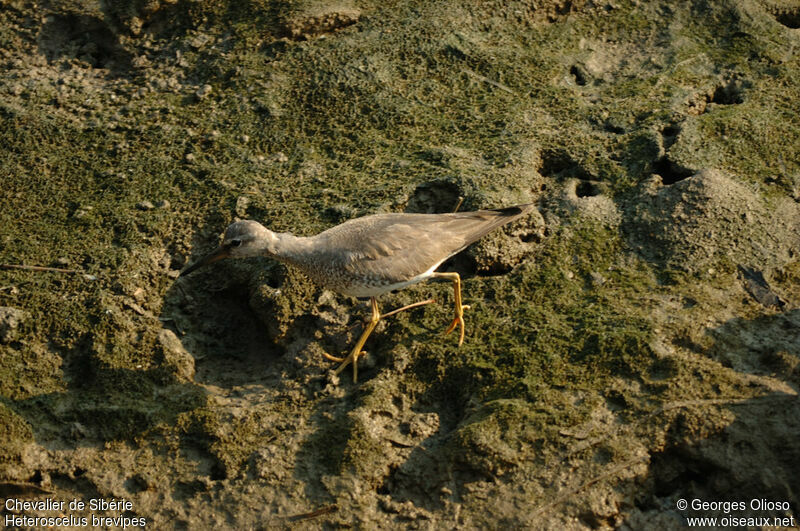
(526, 335)
(361, 118)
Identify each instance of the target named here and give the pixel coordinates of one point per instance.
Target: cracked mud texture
(616, 357)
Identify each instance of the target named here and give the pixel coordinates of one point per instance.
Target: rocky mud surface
(635, 343)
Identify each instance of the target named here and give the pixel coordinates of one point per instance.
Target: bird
(370, 255)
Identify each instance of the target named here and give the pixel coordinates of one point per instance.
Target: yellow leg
(408, 307)
(458, 320)
(332, 358)
(356, 352)
(384, 316)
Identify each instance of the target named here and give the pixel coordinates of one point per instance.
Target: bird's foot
(347, 361)
(332, 358)
(458, 321)
(340, 360)
(365, 322)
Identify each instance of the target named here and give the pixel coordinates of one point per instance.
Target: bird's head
(242, 239)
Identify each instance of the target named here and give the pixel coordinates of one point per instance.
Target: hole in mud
(383, 488)
(80, 484)
(687, 342)
(386, 486)
(603, 456)
(453, 52)
(789, 18)
(596, 521)
(230, 342)
(663, 369)
(135, 484)
(671, 172)
(578, 73)
(177, 261)
(587, 189)
(615, 401)
(83, 37)
(670, 135)
(780, 361)
(37, 477)
(397, 401)
(533, 237)
(434, 197)
(495, 270)
(339, 213)
(671, 131)
(218, 473)
(462, 263)
(558, 163)
(730, 94)
(613, 128)
(673, 470)
(553, 163)
(187, 489)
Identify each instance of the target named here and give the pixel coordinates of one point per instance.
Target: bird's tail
(481, 222)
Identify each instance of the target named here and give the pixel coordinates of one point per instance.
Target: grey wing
(390, 248)
(394, 253)
(396, 247)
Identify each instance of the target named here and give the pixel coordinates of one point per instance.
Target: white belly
(377, 289)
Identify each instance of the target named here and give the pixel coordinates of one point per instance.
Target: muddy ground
(634, 344)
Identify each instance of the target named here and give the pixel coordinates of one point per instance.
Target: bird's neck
(284, 246)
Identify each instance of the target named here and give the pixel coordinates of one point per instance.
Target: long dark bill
(220, 253)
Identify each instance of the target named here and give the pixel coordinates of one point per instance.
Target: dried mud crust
(310, 19)
(617, 358)
(695, 222)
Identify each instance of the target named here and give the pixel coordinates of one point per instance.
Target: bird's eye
(236, 243)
